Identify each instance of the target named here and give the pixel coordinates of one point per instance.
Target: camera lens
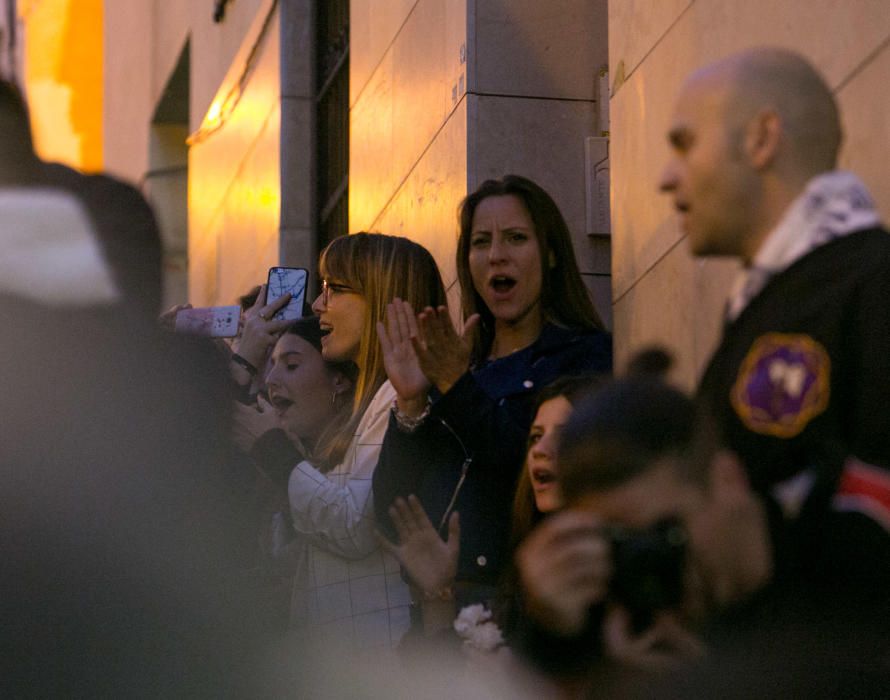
(648, 567)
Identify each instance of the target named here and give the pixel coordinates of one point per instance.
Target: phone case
(284, 280)
(212, 321)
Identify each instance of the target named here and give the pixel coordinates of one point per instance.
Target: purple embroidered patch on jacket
(782, 384)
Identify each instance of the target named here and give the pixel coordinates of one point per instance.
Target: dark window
(332, 110)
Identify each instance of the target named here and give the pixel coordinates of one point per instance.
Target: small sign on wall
(596, 170)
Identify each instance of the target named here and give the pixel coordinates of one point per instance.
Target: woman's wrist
(445, 382)
(438, 615)
(441, 594)
(412, 407)
(249, 352)
(240, 361)
(409, 422)
(243, 379)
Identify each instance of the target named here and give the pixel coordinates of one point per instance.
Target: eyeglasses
(328, 288)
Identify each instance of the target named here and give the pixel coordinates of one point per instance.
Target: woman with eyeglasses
(461, 427)
(343, 586)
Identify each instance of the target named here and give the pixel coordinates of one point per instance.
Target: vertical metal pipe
(298, 165)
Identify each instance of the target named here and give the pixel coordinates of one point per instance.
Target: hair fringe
(380, 268)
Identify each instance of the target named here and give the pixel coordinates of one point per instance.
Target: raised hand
(430, 562)
(167, 319)
(260, 331)
(443, 352)
(400, 358)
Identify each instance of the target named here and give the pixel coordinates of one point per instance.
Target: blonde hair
(380, 268)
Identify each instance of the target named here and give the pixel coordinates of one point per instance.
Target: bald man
(800, 384)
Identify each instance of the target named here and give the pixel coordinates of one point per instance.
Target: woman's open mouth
(542, 478)
(280, 403)
(502, 284)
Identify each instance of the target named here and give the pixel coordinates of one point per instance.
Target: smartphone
(213, 321)
(284, 280)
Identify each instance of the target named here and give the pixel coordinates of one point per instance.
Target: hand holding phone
(260, 329)
(287, 280)
(212, 321)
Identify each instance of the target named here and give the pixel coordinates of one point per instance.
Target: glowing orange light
(63, 79)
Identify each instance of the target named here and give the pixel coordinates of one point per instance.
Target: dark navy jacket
(807, 363)
(485, 418)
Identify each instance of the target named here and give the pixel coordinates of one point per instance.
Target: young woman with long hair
(343, 585)
(301, 418)
(461, 426)
(430, 560)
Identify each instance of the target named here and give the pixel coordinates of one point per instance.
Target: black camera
(648, 569)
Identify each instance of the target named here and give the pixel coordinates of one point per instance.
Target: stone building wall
(218, 200)
(448, 93)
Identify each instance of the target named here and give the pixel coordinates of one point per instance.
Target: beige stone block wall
(543, 49)
(447, 93)
(128, 102)
(424, 207)
(234, 175)
(659, 293)
(408, 121)
(235, 184)
(143, 39)
(865, 106)
(373, 26)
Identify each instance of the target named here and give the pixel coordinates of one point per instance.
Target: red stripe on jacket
(866, 489)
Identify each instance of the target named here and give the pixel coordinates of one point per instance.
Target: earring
(333, 399)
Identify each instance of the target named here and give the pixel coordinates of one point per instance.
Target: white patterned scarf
(833, 205)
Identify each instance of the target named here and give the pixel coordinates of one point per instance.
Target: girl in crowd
(309, 404)
(465, 401)
(312, 397)
(431, 562)
(343, 585)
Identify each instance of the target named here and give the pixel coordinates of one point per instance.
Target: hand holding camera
(572, 562)
(564, 568)
(664, 644)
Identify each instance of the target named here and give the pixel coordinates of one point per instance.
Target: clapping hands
(397, 338)
(442, 351)
(423, 350)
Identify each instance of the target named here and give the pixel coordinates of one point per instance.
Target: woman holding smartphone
(459, 432)
(345, 587)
